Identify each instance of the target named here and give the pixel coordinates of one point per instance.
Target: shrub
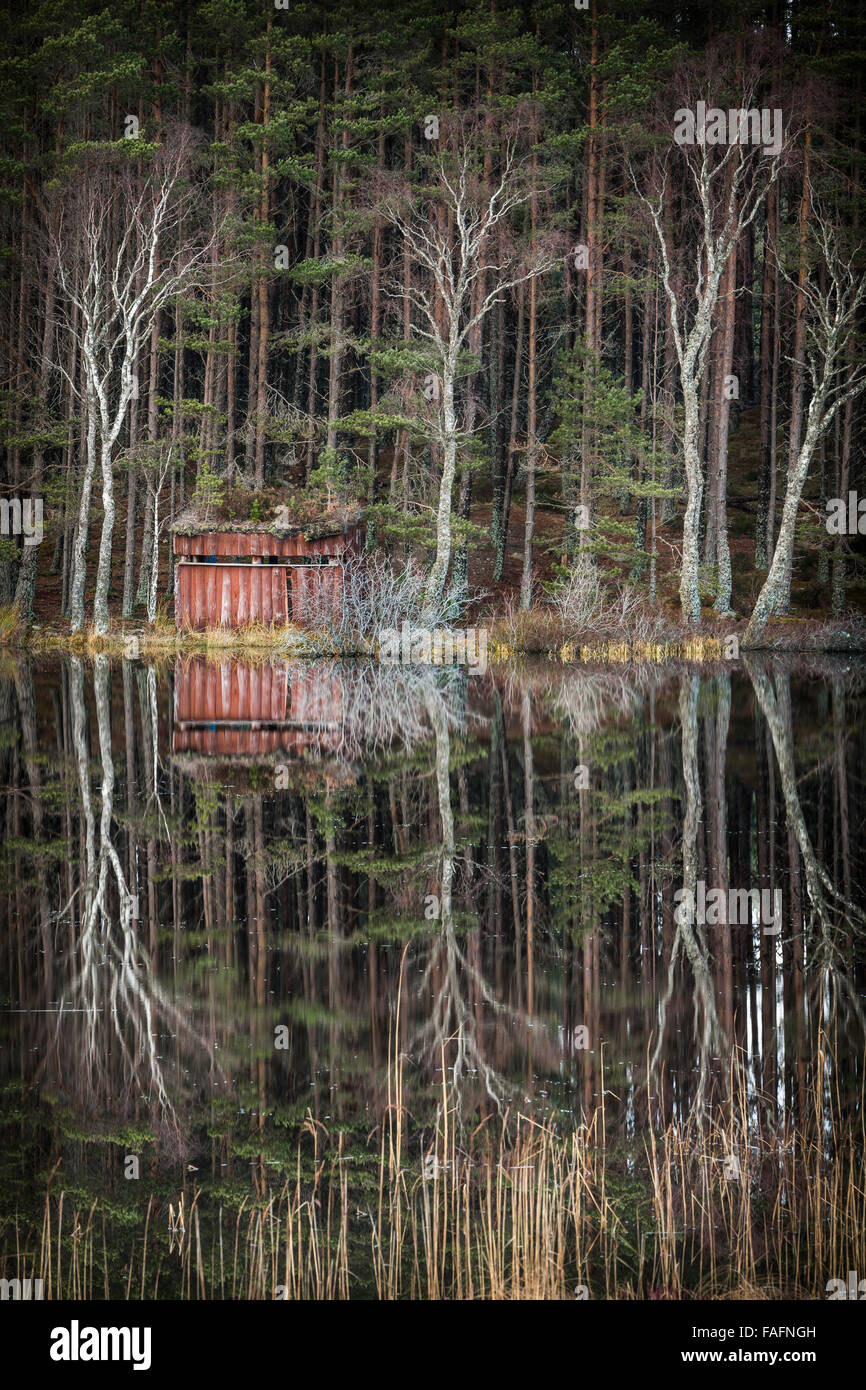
(377, 595)
(585, 608)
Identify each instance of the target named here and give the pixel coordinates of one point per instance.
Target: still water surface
(236, 897)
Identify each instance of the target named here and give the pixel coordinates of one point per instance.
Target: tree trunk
(531, 427)
(768, 330)
(436, 580)
(782, 589)
(722, 605)
(690, 600)
(337, 290)
(772, 596)
(264, 297)
(103, 572)
(79, 544)
(512, 436)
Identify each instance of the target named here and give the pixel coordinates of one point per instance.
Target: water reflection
(237, 896)
(689, 937)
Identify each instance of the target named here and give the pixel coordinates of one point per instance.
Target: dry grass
(793, 634)
(163, 639)
(514, 1210)
(584, 621)
(588, 621)
(11, 631)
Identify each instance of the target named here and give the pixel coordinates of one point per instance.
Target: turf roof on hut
(273, 511)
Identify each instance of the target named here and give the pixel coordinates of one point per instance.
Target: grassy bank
(529, 634)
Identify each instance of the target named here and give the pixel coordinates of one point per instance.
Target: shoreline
(132, 643)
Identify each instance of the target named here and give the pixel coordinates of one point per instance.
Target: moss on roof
(273, 511)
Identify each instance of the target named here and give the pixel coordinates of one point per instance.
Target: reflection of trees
(452, 1029)
(384, 706)
(294, 903)
(110, 974)
(833, 917)
(689, 938)
(26, 699)
(587, 701)
(717, 725)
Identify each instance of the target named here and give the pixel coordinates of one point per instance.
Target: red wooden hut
(231, 573)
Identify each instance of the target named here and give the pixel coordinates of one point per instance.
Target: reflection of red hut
(235, 707)
(230, 573)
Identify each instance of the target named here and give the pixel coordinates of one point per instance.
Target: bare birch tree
(157, 463)
(836, 377)
(448, 233)
(731, 181)
(121, 236)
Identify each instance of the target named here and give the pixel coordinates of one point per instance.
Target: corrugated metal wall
(240, 543)
(231, 692)
(228, 742)
(213, 701)
(230, 595)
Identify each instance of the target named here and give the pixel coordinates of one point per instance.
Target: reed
(731, 1207)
